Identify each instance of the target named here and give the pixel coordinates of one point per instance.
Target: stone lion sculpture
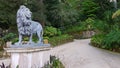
(27, 27)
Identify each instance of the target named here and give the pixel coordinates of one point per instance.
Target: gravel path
(79, 54)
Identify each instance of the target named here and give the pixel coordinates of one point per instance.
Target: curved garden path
(79, 54)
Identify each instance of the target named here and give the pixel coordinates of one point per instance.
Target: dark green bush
(9, 37)
(88, 24)
(101, 26)
(82, 26)
(97, 40)
(112, 40)
(73, 29)
(54, 41)
(77, 30)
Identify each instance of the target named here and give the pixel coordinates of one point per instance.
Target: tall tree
(8, 18)
(37, 7)
(60, 13)
(89, 8)
(8, 12)
(52, 12)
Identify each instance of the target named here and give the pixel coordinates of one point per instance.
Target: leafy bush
(77, 31)
(73, 29)
(112, 40)
(97, 40)
(9, 37)
(101, 26)
(51, 31)
(88, 24)
(54, 41)
(108, 16)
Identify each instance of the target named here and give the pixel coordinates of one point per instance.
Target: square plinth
(29, 57)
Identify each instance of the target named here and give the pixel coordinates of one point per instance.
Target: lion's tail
(42, 34)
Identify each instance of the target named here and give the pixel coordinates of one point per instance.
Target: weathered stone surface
(29, 57)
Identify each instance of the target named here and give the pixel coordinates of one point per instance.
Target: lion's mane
(24, 20)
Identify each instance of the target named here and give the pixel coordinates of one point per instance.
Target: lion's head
(24, 12)
(27, 13)
(23, 20)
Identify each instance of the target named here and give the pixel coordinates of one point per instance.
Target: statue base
(29, 56)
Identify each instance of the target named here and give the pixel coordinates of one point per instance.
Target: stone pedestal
(29, 57)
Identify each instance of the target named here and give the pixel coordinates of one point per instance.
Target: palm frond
(116, 14)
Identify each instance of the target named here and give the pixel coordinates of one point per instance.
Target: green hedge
(58, 40)
(110, 41)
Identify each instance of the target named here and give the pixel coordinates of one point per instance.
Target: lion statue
(27, 27)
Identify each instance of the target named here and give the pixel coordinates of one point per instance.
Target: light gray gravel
(79, 54)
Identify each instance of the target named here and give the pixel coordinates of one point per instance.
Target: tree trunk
(115, 3)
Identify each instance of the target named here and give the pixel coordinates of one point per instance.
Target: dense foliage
(60, 13)
(9, 10)
(109, 41)
(110, 38)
